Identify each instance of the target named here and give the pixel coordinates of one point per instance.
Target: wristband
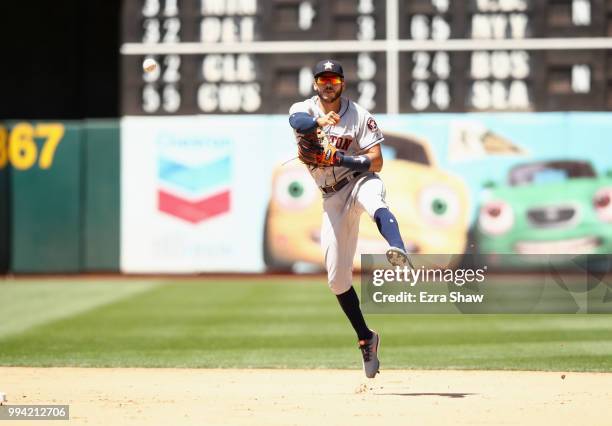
(359, 163)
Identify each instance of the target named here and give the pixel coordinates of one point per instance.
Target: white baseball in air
(149, 65)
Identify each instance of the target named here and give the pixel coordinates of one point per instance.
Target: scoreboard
(399, 56)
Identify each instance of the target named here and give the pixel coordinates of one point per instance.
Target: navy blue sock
(350, 305)
(387, 225)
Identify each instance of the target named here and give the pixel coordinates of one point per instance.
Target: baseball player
(339, 142)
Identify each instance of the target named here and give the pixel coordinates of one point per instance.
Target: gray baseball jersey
(354, 134)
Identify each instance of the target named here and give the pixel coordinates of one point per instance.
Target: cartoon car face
(431, 207)
(551, 207)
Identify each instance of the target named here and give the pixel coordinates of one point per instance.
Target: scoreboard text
(255, 56)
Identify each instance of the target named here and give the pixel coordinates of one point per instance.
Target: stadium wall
(60, 192)
(194, 194)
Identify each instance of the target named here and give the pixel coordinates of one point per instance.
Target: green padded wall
(45, 206)
(4, 212)
(101, 196)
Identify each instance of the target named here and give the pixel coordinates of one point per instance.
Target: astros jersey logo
(372, 125)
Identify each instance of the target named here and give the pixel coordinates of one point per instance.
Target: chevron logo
(194, 193)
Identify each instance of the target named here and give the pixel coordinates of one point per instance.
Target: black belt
(339, 185)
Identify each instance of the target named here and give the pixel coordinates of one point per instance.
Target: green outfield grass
(270, 323)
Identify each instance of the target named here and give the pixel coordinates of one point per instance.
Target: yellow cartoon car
(430, 204)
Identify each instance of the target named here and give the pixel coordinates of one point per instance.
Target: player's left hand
(328, 156)
(314, 149)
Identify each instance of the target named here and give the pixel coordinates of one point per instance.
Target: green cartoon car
(548, 207)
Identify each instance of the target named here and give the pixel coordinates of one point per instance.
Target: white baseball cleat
(398, 257)
(369, 352)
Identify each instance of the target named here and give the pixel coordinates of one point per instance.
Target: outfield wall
(4, 212)
(60, 196)
(222, 193)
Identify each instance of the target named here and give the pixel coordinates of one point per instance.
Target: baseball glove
(314, 149)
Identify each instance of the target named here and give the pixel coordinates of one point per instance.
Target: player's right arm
(301, 119)
(302, 122)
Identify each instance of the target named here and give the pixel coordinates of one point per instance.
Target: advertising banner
(194, 192)
(225, 193)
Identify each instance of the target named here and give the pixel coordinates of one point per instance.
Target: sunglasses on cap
(335, 79)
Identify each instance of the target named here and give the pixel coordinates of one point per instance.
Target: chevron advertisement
(194, 191)
(225, 193)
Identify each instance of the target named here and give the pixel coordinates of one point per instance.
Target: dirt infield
(311, 397)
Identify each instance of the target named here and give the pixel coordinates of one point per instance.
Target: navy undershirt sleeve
(303, 122)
